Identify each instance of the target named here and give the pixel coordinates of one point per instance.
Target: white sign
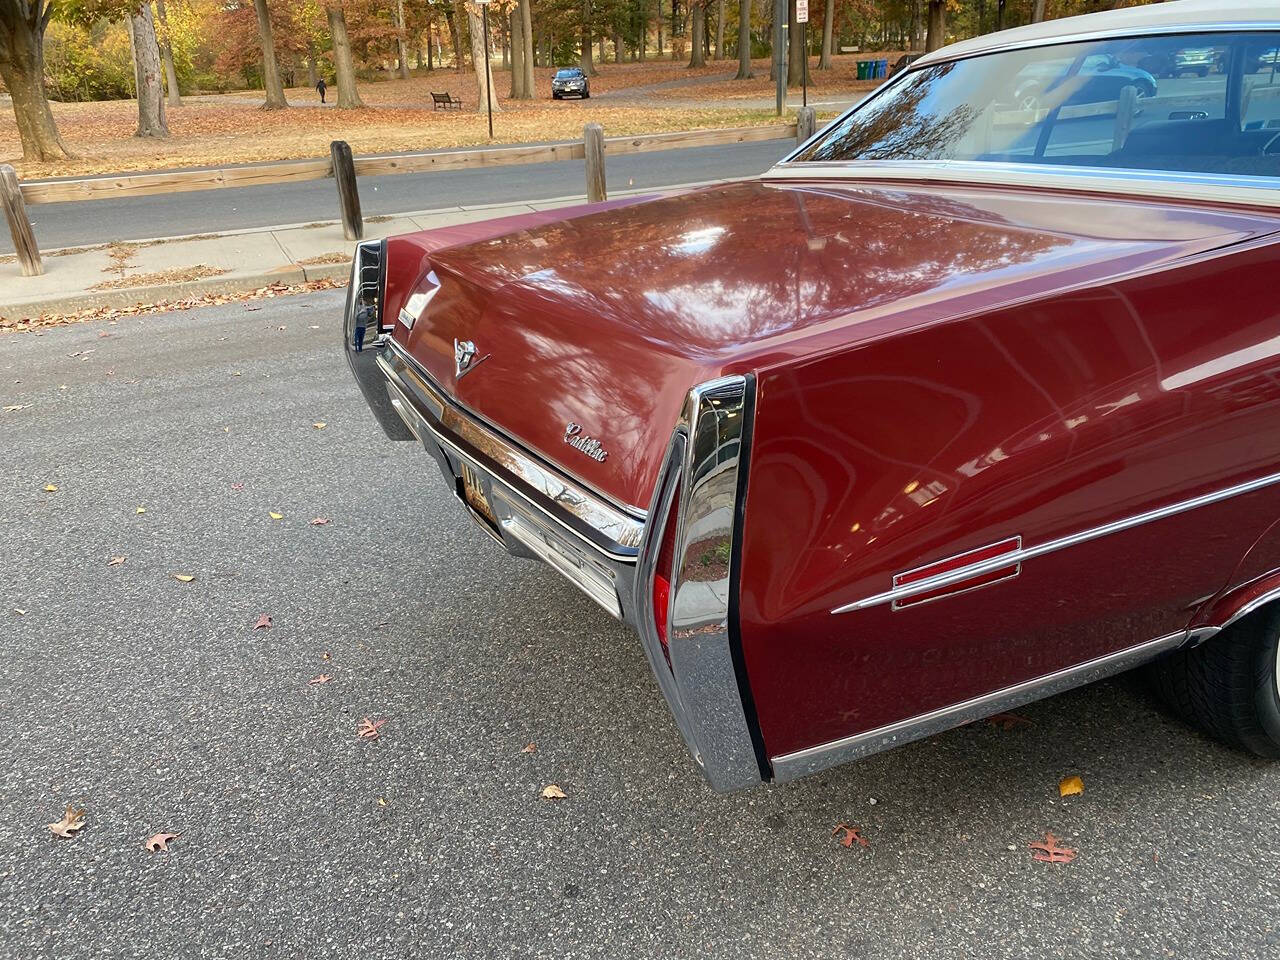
(802, 11)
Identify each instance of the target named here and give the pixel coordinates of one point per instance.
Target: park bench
(443, 101)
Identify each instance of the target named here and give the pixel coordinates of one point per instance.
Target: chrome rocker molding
(1062, 543)
(792, 766)
(704, 468)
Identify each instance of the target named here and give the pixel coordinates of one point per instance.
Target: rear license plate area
(473, 492)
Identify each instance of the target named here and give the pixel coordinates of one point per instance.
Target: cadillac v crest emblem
(464, 358)
(575, 438)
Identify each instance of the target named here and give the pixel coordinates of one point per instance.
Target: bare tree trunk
(459, 60)
(719, 29)
(585, 63)
(146, 74)
(270, 69)
(526, 34)
(937, 25)
(517, 55)
(22, 69)
(917, 25)
(744, 40)
(1037, 11)
(166, 55)
(659, 29)
(696, 31)
(343, 66)
(484, 80)
(401, 50)
(796, 53)
(313, 76)
(828, 22)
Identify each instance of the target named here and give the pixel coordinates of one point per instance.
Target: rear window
(1207, 103)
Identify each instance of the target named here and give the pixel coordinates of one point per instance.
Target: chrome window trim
(1061, 543)
(701, 684)
(800, 763)
(616, 535)
(1160, 184)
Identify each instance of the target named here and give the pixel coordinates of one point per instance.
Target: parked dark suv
(570, 82)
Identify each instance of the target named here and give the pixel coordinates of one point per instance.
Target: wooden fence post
(344, 172)
(593, 147)
(1126, 107)
(806, 123)
(15, 211)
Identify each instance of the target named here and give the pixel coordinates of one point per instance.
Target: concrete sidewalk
(150, 271)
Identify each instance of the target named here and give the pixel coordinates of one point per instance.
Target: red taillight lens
(663, 575)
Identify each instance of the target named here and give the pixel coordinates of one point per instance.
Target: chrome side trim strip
(1062, 543)
(618, 534)
(800, 763)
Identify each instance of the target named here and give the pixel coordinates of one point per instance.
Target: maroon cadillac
(973, 398)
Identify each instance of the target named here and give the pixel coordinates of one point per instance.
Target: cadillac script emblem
(575, 438)
(464, 358)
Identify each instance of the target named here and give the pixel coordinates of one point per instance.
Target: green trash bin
(862, 69)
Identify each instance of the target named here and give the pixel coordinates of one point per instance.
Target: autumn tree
(697, 33)
(270, 68)
(343, 65)
(744, 40)
(484, 78)
(166, 56)
(935, 38)
(22, 27)
(828, 18)
(146, 72)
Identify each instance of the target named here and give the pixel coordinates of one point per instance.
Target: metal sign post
(802, 18)
(488, 77)
(780, 52)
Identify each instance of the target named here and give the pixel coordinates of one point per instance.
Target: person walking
(321, 88)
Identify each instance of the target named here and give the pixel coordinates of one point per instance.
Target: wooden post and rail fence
(345, 170)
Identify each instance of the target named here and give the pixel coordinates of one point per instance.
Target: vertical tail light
(663, 574)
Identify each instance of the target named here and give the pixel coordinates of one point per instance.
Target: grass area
(627, 99)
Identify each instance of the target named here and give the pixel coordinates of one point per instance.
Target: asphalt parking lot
(157, 706)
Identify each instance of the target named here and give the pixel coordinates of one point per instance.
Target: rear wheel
(1230, 685)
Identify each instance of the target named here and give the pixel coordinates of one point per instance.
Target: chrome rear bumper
(609, 553)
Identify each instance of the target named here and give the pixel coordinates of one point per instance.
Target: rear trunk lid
(589, 326)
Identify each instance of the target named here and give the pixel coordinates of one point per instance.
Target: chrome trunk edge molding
(703, 468)
(1050, 546)
(800, 763)
(362, 334)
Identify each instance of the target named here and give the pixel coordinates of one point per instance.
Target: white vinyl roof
(1169, 16)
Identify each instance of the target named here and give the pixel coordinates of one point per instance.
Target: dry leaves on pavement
(369, 729)
(263, 622)
(319, 424)
(116, 561)
(323, 678)
(1008, 721)
(552, 792)
(160, 841)
(849, 835)
(183, 577)
(50, 488)
(320, 522)
(1050, 851)
(275, 516)
(530, 748)
(1070, 786)
(71, 822)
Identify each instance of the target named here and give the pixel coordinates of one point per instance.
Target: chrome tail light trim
(362, 334)
(704, 684)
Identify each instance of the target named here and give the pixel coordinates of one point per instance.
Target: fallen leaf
(552, 792)
(382, 802)
(116, 561)
(50, 488)
(319, 424)
(141, 510)
(14, 407)
(183, 577)
(368, 729)
(237, 487)
(1070, 786)
(71, 821)
(326, 656)
(19, 611)
(263, 623)
(1007, 721)
(848, 835)
(323, 678)
(275, 516)
(530, 748)
(160, 841)
(1049, 850)
(320, 521)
